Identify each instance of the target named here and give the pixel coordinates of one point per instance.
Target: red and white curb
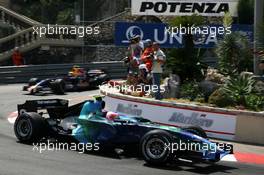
(229, 158)
(236, 157)
(11, 118)
(249, 158)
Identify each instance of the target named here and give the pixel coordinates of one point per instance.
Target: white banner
(184, 7)
(216, 125)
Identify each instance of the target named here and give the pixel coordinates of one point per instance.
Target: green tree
(66, 16)
(234, 51)
(234, 54)
(245, 11)
(184, 61)
(238, 87)
(47, 11)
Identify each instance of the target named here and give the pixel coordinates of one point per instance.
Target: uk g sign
(184, 7)
(204, 36)
(155, 32)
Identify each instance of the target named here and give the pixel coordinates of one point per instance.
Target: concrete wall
(249, 126)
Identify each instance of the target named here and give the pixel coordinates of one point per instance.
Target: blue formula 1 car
(157, 143)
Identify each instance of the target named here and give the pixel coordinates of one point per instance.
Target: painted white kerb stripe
(229, 158)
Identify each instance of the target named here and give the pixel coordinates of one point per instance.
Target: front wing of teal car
(194, 147)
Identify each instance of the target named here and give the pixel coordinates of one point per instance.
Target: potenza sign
(184, 7)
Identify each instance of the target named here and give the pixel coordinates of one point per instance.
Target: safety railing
(21, 74)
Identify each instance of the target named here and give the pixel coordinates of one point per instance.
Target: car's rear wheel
(58, 86)
(29, 127)
(33, 91)
(196, 130)
(155, 147)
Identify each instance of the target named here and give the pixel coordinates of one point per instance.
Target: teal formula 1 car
(157, 143)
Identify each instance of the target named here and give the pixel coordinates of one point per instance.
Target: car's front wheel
(155, 147)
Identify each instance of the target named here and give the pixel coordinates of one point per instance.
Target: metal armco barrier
(21, 74)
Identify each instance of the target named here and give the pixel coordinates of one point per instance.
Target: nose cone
(209, 150)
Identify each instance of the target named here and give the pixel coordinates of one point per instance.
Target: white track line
(12, 117)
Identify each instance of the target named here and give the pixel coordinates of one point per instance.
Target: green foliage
(237, 88)
(47, 11)
(234, 54)
(66, 16)
(255, 102)
(190, 91)
(6, 30)
(184, 61)
(228, 20)
(234, 51)
(194, 20)
(220, 98)
(246, 12)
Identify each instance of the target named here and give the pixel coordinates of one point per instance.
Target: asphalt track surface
(17, 158)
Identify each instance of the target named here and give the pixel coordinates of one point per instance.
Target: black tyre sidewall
(160, 134)
(58, 87)
(38, 127)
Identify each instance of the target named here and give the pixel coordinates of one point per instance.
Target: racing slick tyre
(58, 86)
(155, 147)
(196, 130)
(30, 127)
(33, 81)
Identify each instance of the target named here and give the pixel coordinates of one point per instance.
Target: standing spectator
(17, 57)
(157, 68)
(139, 42)
(134, 54)
(147, 55)
(137, 47)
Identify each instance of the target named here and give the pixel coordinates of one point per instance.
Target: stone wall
(4, 3)
(110, 53)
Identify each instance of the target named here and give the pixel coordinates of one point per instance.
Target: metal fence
(21, 74)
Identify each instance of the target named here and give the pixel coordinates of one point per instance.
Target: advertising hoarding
(184, 7)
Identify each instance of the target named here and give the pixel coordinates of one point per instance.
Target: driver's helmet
(112, 115)
(77, 71)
